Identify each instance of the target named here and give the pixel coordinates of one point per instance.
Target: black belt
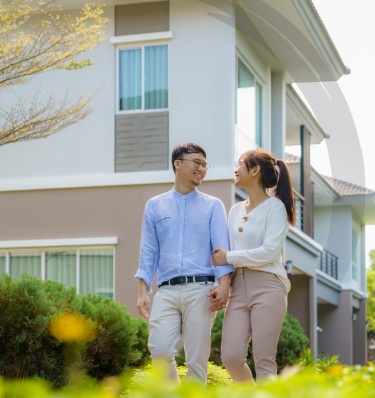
(182, 280)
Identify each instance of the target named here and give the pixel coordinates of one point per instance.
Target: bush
(142, 341)
(28, 349)
(292, 343)
(26, 346)
(114, 347)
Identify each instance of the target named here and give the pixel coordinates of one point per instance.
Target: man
(179, 231)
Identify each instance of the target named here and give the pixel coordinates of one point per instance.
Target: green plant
(142, 341)
(320, 363)
(292, 342)
(216, 375)
(113, 348)
(152, 382)
(27, 348)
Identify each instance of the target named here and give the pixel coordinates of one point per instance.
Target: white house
(215, 72)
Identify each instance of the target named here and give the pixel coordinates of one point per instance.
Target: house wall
(202, 77)
(302, 301)
(142, 142)
(144, 17)
(360, 334)
(299, 301)
(337, 329)
(201, 98)
(83, 148)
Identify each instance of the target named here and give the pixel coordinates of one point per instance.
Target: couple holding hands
(204, 264)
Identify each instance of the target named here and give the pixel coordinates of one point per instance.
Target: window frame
(60, 245)
(258, 83)
(355, 254)
(124, 45)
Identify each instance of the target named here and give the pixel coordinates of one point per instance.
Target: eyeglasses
(198, 163)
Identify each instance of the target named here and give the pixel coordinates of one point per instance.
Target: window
(90, 270)
(143, 78)
(248, 110)
(355, 254)
(20, 263)
(2, 264)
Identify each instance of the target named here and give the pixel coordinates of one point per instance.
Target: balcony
(299, 204)
(327, 263)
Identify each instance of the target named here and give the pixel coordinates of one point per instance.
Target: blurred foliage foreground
(334, 380)
(54, 343)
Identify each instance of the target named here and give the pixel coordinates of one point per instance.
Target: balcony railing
(299, 204)
(328, 263)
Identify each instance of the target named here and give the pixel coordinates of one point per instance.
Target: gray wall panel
(142, 142)
(142, 18)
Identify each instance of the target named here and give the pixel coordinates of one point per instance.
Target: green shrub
(28, 349)
(113, 348)
(292, 343)
(26, 346)
(142, 341)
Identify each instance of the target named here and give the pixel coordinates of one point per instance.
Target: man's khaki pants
(182, 311)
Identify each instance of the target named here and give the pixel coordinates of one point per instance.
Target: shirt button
(240, 229)
(244, 219)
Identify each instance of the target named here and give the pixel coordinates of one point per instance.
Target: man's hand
(219, 294)
(143, 304)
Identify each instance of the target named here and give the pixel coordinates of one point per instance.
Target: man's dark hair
(187, 147)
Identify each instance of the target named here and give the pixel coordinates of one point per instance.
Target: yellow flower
(72, 327)
(336, 370)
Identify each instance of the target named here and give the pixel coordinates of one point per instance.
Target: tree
(36, 38)
(371, 294)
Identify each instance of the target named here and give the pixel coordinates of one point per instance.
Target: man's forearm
(225, 280)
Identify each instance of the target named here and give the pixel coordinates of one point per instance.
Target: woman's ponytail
(284, 190)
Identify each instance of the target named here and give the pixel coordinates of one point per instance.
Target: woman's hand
(219, 257)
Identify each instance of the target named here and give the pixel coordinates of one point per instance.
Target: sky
(352, 29)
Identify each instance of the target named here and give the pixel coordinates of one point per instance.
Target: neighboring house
(329, 292)
(215, 72)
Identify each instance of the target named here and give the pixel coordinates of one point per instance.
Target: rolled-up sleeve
(149, 251)
(219, 236)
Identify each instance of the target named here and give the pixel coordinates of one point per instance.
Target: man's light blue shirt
(179, 233)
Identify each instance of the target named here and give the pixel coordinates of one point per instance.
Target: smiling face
(191, 169)
(242, 175)
(246, 176)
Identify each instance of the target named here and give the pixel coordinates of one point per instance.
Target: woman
(258, 300)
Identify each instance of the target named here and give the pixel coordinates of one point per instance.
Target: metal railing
(299, 204)
(328, 263)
